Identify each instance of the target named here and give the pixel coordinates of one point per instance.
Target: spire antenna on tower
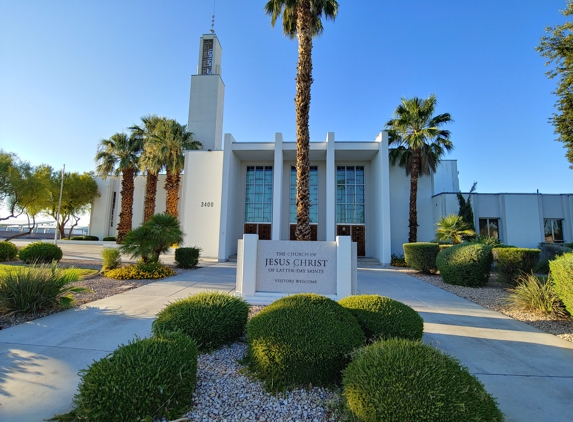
(213, 19)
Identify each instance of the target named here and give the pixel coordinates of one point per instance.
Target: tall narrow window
(313, 187)
(489, 227)
(553, 230)
(350, 195)
(112, 209)
(259, 194)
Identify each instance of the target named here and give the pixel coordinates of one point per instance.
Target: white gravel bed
(493, 296)
(225, 393)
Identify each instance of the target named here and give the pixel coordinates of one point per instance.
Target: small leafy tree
(557, 48)
(152, 238)
(77, 196)
(452, 228)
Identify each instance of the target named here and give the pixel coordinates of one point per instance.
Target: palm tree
(119, 155)
(149, 161)
(302, 19)
(454, 228)
(153, 238)
(170, 142)
(420, 143)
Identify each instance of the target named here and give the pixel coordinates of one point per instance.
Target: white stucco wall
(202, 196)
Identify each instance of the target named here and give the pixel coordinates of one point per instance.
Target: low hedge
(383, 317)
(466, 264)
(401, 380)
(212, 319)
(562, 274)
(40, 253)
(109, 239)
(302, 339)
(187, 257)
(93, 238)
(147, 379)
(8, 251)
(421, 256)
(511, 262)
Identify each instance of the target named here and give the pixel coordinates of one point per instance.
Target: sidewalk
(530, 372)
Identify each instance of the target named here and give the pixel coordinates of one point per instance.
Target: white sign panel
(296, 267)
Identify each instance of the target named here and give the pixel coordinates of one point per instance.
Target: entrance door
(358, 234)
(263, 230)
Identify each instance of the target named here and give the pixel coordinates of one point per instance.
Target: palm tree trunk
(150, 194)
(302, 107)
(414, 175)
(126, 214)
(172, 189)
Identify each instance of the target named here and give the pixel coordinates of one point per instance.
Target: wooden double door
(358, 234)
(263, 230)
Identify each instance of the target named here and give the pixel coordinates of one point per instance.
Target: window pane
(494, 228)
(340, 214)
(359, 175)
(259, 174)
(558, 230)
(350, 214)
(340, 176)
(359, 214)
(548, 226)
(350, 175)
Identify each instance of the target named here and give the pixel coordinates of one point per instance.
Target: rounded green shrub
(421, 256)
(187, 257)
(561, 270)
(301, 339)
(40, 252)
(401, 380)
(212, 319)
(109, 239)
(383, 317)
(466, 264)
(141, 271)
(147, 379)
(8, 251)
(511, 262)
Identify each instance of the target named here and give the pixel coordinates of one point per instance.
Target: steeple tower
(207, 95)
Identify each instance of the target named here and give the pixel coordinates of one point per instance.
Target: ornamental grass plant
(536, 295)
(31, 289)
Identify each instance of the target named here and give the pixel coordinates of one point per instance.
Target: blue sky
(74, 72)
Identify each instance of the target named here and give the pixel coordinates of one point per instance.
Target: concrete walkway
(530, 372)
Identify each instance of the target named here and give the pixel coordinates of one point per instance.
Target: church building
(232, 187)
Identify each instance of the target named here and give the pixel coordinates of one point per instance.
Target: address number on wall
(207, 204)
